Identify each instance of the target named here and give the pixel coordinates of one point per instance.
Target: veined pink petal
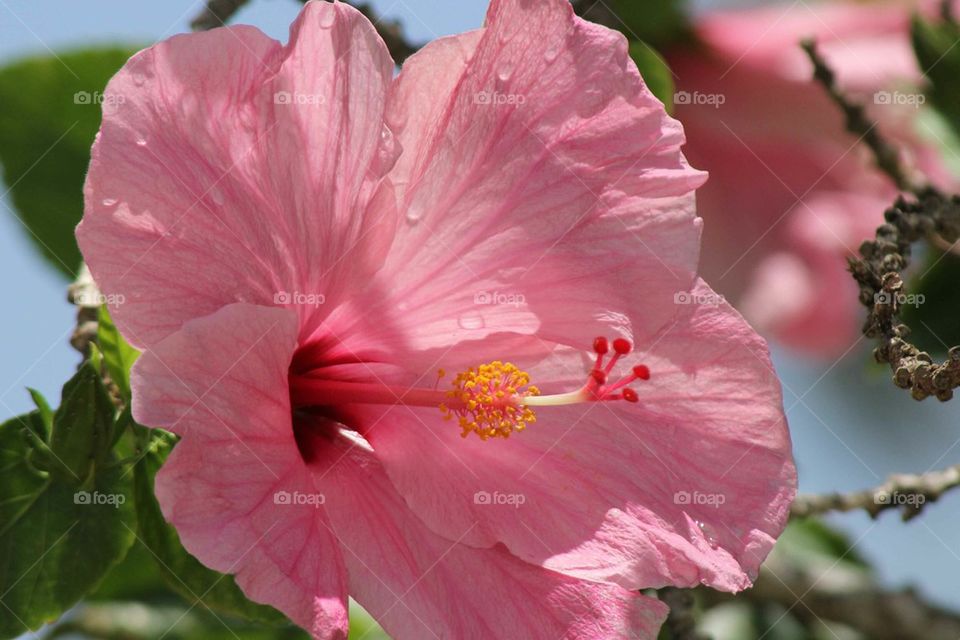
(418, 584)
(231, 484)
(645, 495)
(537, 168)
(237, 170)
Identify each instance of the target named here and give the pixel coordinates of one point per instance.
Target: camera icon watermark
(297, 98)
(497, 99)
(901, 299)
(710, 299)
(298, 498)
(699, 498)
(497, 498)
(95, 299)
(99, 98)
(914, 100)
(96, 498)
(499, 298)
(914, 500)
(696, 98)
(298, 298)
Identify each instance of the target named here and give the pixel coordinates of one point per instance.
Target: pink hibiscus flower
(303, 241)
(790, 194)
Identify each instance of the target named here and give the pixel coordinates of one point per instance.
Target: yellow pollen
(488, 400)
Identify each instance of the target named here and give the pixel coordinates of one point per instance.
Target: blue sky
(850, 428)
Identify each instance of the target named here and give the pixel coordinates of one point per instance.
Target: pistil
(492, 400)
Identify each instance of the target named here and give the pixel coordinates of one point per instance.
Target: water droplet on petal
(414, 212)
(109, 202)
(471, 320)
(505, 73)
(138, 79)
(709, 533)
(389, 150)
(551, 53)
(141, 141)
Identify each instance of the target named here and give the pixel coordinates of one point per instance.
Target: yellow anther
(491, 400)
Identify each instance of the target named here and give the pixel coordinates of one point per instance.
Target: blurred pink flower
(791, 194)
(302, 241)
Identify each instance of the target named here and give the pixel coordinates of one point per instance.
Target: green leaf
(137, 577)
(49, 114)
(935, 46)
(183, 572)
(655, 72)
(932, 304)
(56, 541)
(118, 355)
(43, 407)
(82, 434)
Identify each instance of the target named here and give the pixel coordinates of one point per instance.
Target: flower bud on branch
(928, 215)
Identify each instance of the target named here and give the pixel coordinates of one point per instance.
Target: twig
(930, 214)
(907, 493)
(680, 622)
(859, 124)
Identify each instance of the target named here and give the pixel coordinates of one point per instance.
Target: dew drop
(141, 141)
(389, 150)
(139, 79)
(505, 73)
(471, 320)
(551, 53)
(709, 534)
(414, 213)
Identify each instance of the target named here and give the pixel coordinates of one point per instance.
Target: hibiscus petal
(419, 585)
(230, 486)
(691, 485)
(536, 166)
(236, 170)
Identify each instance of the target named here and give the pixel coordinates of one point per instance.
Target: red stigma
(597, 386)
(600, 345)
(621, 346)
